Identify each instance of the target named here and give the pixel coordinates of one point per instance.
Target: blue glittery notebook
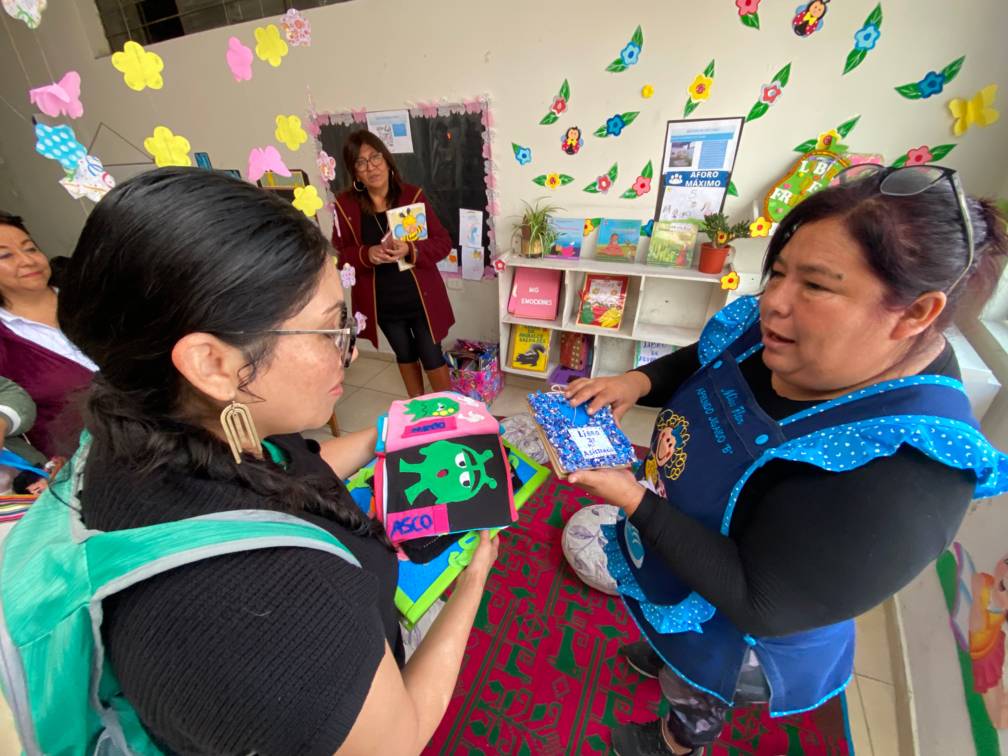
(576, 440)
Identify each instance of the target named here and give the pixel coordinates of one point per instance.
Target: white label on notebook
(591, 441)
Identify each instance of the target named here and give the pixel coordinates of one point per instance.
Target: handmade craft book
(575, 440)
(535, 293)
(441, 468)
(409, 222)
(602, 300)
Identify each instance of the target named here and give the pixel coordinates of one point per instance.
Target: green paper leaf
(732, 191)
(565, 90)
(549, 118)
(783, 75)
(941, 150)
(515, 147)
(541, 180)
(900, 161)
(847, 127)
(616, 66)
(709, 71)
(630, 117)
(592, 188)
(596, 222)
(690, 107)
(875, 17)
(807, 146)
(638, 37)
(751, 20)
(613, 172)
(629, 194)
(910, 91)
(952, 69)
(854, 59)
(601, 132)
(565, 179)
(648, 171)
(758, 110)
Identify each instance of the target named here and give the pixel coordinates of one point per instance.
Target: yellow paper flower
(139, 68)
(827, 139)
(720, 239)
(759, 227)
(306, 200)
(730, 281)
(289, 131)
(700, 88)
(589, 226)
(270, 46)
(167, 148)
(552, 180)
(647, 91)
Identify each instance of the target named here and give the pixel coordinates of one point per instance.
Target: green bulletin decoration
(642, 185)
(699, 90)
(865, 39)
(602, 184)
(614, 126)
(810, 173)
(769, 93)
(559, 105)
(630, 54)
(842, 130)
(932, 83)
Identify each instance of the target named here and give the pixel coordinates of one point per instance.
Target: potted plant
(714, 253)
(536, 230)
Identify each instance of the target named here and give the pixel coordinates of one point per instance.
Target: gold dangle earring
(239, 429)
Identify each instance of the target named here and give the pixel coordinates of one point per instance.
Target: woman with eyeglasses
(815, 451)
(261, 620)
(398, 283)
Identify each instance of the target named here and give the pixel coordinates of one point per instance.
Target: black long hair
(351, 151)
(176, 251)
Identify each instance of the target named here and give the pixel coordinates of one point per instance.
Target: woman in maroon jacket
(398, 283)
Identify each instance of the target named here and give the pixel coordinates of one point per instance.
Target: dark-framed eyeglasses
(908, 180)
(345, 339)
(375, 161)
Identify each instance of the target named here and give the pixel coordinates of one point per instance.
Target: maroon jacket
(52, 381)
(424, 254)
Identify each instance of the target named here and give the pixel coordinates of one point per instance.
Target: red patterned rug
(542, 676)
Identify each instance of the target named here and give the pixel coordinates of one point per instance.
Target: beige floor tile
(879, 701)
(638, 423)
(873, 652)
(364, 410)
(526, 384)
(861, 742)
(389, 381)
(511, 401)
(363, 370)
(9, 743)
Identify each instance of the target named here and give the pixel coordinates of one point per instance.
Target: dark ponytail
(177, 251)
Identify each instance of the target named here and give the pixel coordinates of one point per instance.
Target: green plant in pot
(536, 230)
(714, 253)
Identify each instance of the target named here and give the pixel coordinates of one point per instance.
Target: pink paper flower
(239, 59)
(603, 183)
(296, 28)
(559, 105)
(919, 156)
(642, 185)
(361, 319)
(326, 165)
(745, 7)
(770, 92)
(265, 159)
(61, 98)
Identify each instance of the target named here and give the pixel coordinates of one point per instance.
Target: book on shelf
(649, 351)
(569, 233)
(603, 297)
(535, 293)
(530, 348)
(673, 243)
(617, 239)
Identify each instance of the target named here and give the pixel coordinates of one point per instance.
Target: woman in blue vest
(814, 452)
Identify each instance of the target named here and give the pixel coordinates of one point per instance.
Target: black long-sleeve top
(807, 547)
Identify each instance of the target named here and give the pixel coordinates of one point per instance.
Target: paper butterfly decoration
(326, 165)
(289, 132)
(59, 143)
(296, 28)
(265, 159)
(269, 46)
(306, 200)
(139, 68)
(348, 276)
(91, 180)
(29, 11)
(239, 59)
(977, 111)
(167, 148)
(62, 98)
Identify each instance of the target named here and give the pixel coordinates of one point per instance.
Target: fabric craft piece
(865, 39)
(61, 98)
(59, 143)
(976, 111)
(932, 83)
(747, 10)
(559, 105)
(289, 132)
(270, 46)
(630, 53)
(699, 90)
(307, 200)
(239, 59)
(326, 165)
(642, 185)
(90, 180)
(552, 180)
(167, 147)
(140, 68)
(769, 93)
(614, 126)
(262, 159)
(29, 11)
(296, 28)
(603, 183)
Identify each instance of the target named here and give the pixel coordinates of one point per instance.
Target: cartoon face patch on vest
(669, 446)
(436, 407)
(450, 471)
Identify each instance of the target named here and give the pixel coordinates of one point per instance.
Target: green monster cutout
(450, 471)
(440, 407)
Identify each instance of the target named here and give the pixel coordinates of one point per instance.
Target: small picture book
(617, 239)
(530, 348)
(575, 440)
(569, 233)
(648, 351)
(409, 222)
(672, 243)
(535, 293)
(441, 468)
(602, 300)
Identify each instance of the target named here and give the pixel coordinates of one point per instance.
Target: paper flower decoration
(699, 90)
(265, 159)
(642, 185)
(747, 12)
(769, 93)
(827, 139)
(326, 165)
(499, 265)
(522, 154)
(306, 200)
(29, 11)
(61, 98)
(139, 68)
(90, 180)
(647, 91)
(603, 183)
(865, 39)
(759, 227)
(819, 143)
(361, 319)
(559, 105)
(296, 28)
(572, 142)
(59, 143)
(270, 47)
(730, 281)
(348, 275)
(614, 126)
(553, 180)
(978, 110)
(289, 132)
(648, 228)
(932, 83)
(167, 148)
(239, 59)
(923, 154)
(591, 224)
(630, 54)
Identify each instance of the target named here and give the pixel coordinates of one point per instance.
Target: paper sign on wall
(393, 128)
(470, 227)
(472, 263)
